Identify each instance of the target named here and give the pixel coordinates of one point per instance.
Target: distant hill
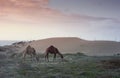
(74, 45)
(6, 42)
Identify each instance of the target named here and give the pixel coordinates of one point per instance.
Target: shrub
(111, 64)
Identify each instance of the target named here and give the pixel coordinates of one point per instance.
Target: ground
(73, 66)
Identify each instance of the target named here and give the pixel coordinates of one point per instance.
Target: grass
(74, 66)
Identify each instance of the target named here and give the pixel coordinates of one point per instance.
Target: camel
(52, 50)
(30, 51)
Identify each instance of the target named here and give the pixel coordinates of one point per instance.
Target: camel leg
(61, 56)
(36, 57)
(24, 55)
(31, 56)
(54, 57)
(46, 57)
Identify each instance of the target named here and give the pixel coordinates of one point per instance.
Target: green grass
(74, 66)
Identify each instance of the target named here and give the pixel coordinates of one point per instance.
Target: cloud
(29, 10)
(38, 11)
(21, 6)
(24, 3)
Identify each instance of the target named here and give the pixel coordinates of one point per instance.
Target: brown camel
(52, 50)
(30, 51)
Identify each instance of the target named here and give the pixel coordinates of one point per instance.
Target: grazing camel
(30, 51)
(52, 50)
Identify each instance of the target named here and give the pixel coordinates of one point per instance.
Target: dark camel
(52, 50)
(30, 51)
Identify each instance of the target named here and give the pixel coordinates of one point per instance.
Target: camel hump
(51, 46)
(30, 49)
(28, 46)
(52, 49)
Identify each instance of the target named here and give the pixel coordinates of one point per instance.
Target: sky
(39, 19)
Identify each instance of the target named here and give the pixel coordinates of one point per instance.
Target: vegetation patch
(111, 64)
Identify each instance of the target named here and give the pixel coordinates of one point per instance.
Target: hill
(74, 45)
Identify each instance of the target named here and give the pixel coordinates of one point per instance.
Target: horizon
(10, 42)
(41, 19)
(58, 38)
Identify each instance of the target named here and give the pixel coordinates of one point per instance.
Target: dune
(74, 45)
